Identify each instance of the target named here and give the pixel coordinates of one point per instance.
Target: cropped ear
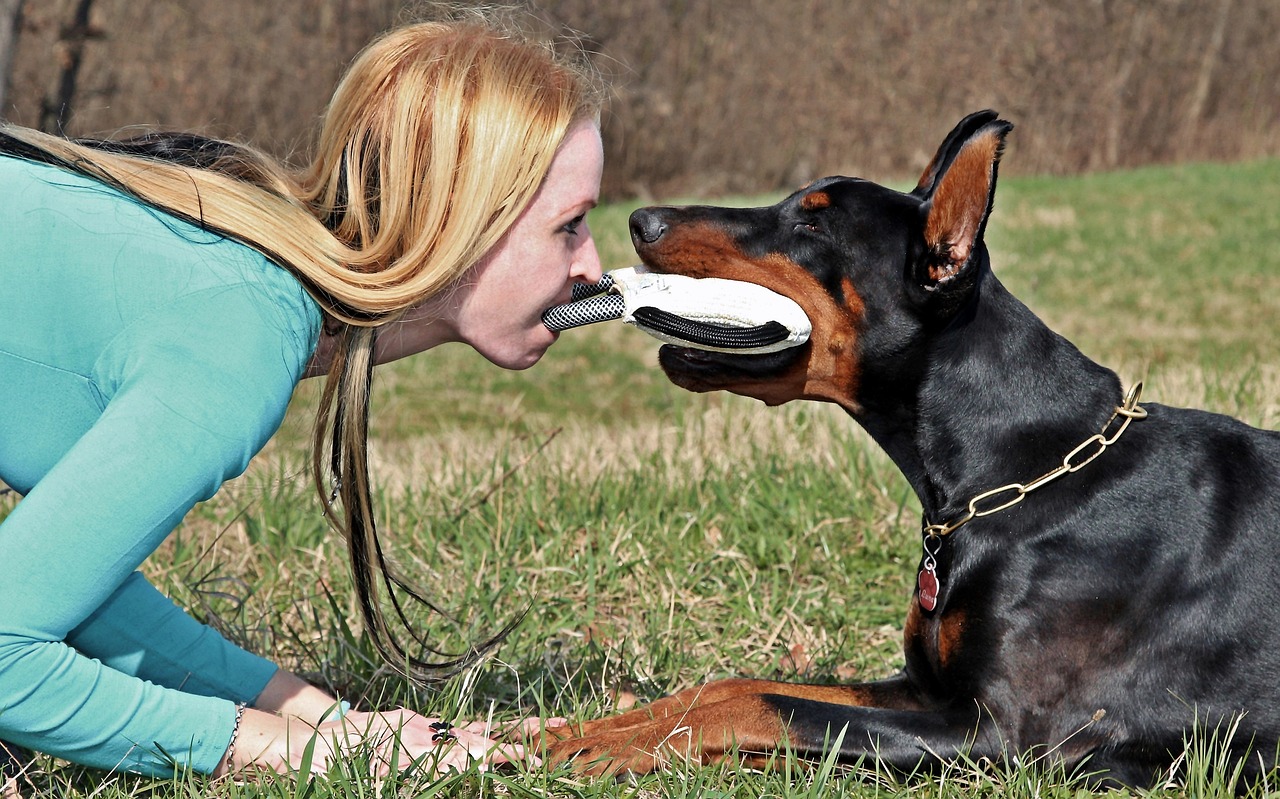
(957, 190)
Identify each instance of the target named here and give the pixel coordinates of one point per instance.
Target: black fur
(1103, 617)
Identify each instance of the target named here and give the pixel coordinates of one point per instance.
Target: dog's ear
(957, 190)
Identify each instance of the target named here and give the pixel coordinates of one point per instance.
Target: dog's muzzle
(714, 314)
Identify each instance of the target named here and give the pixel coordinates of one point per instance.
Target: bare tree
(10, 27)
(707, 102)
(1204, 77)
(57, 110)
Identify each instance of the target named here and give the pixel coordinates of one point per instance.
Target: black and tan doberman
(1097, 575)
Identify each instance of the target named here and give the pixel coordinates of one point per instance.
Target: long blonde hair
(436, 139)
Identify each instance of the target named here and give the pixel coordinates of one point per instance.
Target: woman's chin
(518, 358)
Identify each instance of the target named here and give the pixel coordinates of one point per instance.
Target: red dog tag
(928, 582)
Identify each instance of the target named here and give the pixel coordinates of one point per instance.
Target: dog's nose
(646, 226)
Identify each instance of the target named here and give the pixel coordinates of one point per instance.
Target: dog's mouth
(703, 370)
(671, 356)
(695, 242)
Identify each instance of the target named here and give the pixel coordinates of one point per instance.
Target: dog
(1095, 578)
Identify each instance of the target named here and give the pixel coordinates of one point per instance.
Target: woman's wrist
(289, 695)
(267, 742)
(228, 758)
(273, 734)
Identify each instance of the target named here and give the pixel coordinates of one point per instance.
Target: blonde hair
(436, 139)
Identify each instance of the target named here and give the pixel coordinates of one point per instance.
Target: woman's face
(497, 307)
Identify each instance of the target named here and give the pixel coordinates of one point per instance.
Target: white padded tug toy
(705, 313)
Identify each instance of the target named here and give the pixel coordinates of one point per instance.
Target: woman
(162, 297)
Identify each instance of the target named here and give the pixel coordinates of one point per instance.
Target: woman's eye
(571, 227)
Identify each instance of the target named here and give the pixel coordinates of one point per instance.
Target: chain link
(1075, 460)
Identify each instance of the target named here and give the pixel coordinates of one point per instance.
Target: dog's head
(875, 269)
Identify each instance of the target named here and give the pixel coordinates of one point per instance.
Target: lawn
(659, 538)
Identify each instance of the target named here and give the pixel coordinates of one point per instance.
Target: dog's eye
(809, 227)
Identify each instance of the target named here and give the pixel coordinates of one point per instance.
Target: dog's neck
(1000, 398)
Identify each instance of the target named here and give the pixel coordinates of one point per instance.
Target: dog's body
(1096, 621)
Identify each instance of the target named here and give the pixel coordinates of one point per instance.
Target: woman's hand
(390, 740)
(394, 739)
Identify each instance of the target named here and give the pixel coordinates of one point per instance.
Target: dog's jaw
(825, 368)
(769, 378)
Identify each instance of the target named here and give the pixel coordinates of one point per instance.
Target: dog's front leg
(754, 718)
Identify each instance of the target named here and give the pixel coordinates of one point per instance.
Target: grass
(663, 538)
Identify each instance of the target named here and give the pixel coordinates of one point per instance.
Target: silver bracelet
(235, 731)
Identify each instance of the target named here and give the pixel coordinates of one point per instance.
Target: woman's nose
(586, 264)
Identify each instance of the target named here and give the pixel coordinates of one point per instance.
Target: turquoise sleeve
(140, 631)
(196, 388)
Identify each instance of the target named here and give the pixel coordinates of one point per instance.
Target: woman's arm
(287, 694)
(194, 392)
(140, 631)
(72, 540)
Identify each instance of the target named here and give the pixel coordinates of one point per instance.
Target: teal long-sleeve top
(143, 362)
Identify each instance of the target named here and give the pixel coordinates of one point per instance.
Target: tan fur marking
(938, 637)
(815, 201)
(950, 636)
(702, 724)
(928, 174)
(960, 202)
(911, 628)
(828, 370)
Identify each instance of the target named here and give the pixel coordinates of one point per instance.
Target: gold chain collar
(1073, 461)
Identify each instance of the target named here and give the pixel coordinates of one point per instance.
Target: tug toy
(708, 313)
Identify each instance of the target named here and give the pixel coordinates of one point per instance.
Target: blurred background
(710, 96)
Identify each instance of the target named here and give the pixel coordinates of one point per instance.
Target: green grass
(662, 538)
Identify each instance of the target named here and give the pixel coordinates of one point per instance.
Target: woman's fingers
(469, 748)
(401, 737)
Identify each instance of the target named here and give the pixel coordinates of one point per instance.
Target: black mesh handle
(597, 308)
(710, 334)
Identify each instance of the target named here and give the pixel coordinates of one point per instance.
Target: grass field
(661, 538)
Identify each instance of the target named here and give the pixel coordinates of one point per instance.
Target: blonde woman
(159, 300)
